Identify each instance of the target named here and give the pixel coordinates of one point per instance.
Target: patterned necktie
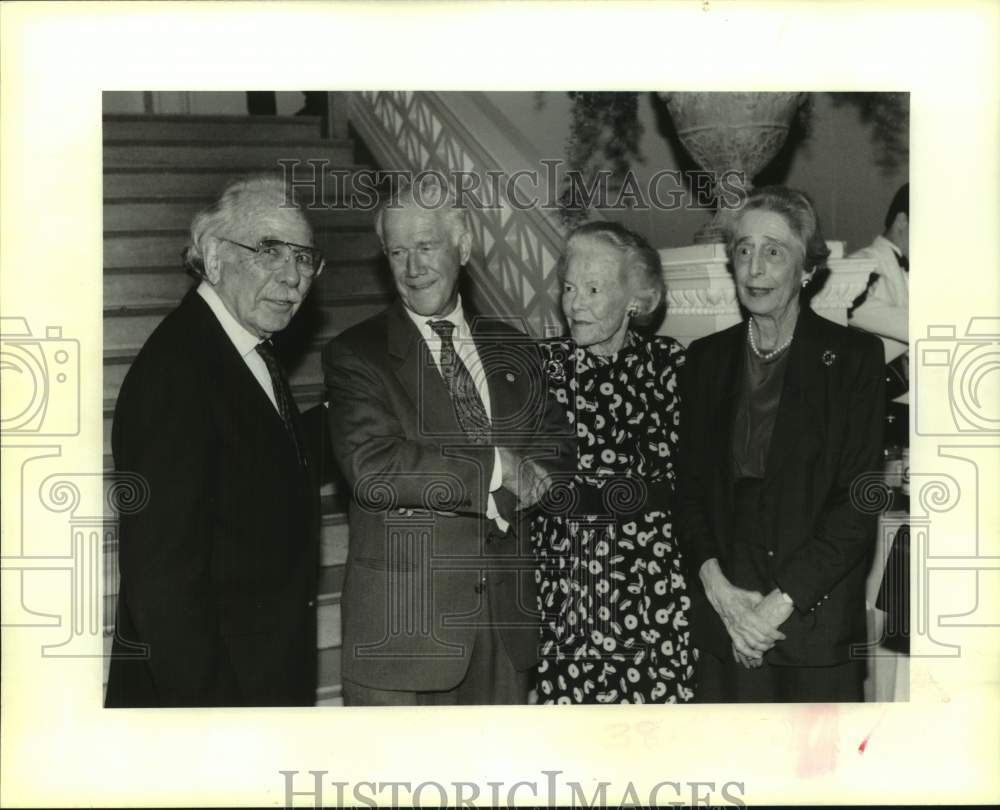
(282, 392)
(469, 410)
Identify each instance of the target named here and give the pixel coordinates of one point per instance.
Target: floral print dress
(611, 585)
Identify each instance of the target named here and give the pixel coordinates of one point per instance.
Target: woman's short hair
(237, 200)
(429, 190)
(641, 265)
(799, 213)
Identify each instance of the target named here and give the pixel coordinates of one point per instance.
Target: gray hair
(238, 198)
(429, 190)
(796, 208)
(641, 264)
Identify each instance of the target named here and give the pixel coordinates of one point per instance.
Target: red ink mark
(868, 736)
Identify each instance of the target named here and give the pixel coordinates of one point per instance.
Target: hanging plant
(604, 136)
(889, 117)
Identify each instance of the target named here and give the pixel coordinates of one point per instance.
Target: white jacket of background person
(885, 310)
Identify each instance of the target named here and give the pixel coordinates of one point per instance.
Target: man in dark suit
(443, 427)
(218, 570)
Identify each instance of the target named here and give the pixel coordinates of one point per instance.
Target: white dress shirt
(244, 341)
(465, 348)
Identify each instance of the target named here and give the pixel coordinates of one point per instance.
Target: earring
(633, 311)
(805, 282)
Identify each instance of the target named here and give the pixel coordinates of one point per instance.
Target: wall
(835, 162)
(196, 103)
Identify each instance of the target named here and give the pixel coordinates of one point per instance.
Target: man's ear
(213, 261)
(465, 247)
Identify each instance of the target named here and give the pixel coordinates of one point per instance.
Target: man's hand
(526, 478)
(752, 636)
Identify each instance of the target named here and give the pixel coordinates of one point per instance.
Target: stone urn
(733, 136)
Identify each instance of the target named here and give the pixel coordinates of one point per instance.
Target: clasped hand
(751, 619)
(524, 477)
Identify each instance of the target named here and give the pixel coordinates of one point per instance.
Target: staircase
(158, 172)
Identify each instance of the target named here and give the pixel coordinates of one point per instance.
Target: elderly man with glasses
(216, 605)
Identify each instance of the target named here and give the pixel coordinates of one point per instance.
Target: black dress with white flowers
(611, 584)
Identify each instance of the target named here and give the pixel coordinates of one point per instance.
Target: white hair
(431, 191)
(239, 198)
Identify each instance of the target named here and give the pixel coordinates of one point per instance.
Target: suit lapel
(501, 381)
(234, 377)
(729, 372)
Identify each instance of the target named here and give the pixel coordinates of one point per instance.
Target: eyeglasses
(274, 253)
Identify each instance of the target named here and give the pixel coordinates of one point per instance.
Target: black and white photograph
(607, 425)
(429, 404)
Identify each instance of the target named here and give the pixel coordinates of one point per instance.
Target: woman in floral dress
(611, 583)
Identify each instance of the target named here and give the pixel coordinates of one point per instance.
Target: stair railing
(516, 247)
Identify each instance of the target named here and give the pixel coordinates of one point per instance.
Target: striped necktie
(282, 393)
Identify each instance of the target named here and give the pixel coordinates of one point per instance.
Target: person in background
(780, 416)
(611, 579)
(882, 309)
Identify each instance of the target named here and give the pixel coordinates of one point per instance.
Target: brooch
(555, 371)
(828, 357)
(510, 377)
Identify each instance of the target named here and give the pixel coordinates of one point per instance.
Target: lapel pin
(828, 357)
(510, 376)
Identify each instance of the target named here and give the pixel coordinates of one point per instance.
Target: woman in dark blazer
(780, 415)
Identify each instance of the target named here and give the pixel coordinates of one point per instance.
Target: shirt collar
(892, 244)
(456, 316)
(244, 341)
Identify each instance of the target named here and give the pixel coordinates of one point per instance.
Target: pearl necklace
(765, 356)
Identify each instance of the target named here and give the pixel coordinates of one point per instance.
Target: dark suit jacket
(415, 584)
(218, 570)
(828, 432)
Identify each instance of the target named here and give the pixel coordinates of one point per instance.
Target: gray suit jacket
(417, 580)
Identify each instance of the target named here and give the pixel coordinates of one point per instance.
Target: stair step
(333, 546)
(130, 327)
(328, 626)
(128, 286)
(328, 692)
(347, 278)
(131, 286)
(225, 128)
(152, 214)
(248, 155)
(304, 369)
(163, 248)
(174, 181)
(305, 396)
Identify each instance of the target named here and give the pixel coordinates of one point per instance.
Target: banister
(516, 249)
